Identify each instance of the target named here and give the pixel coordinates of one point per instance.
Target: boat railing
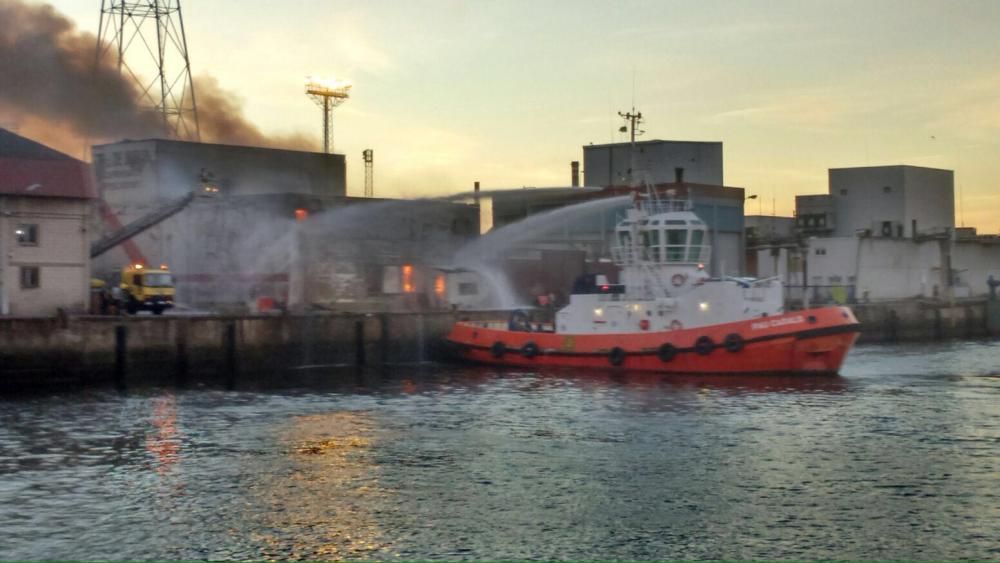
(760, 290)
(659, 206)
(627, 255)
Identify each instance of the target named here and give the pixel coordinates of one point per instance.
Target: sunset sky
(506, 92)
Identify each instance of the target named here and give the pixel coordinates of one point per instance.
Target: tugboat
(667, 314)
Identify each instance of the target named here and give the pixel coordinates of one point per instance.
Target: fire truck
(144, 288)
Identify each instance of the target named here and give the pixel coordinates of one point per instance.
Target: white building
(892, 201)
(45, 199)
(882, 233)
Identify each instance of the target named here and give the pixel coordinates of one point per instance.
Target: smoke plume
(53, 90)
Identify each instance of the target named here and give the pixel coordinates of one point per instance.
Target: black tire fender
(733, 342)
(498, 349)
(529, 350)
(616, 356)
(666, 352)
(704, 345)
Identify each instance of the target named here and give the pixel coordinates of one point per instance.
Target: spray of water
(485, 253)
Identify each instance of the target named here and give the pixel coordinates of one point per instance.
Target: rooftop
(31, 169)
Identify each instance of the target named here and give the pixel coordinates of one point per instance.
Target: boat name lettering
(777, 322)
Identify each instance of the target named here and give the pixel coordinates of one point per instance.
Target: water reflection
(164, 443)
(324, 504)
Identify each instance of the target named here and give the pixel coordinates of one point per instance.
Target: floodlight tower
(328, 94)
(160, 67)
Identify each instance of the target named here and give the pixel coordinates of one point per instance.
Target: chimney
(475, 188)
(679, 175)
(575, 173)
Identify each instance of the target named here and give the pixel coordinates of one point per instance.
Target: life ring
(529, 350)
(678, 280)
(644, 324)
(616, 356)
(733, 342)
(704, 345)
(676, 325)
(666, 352)
(498, 349)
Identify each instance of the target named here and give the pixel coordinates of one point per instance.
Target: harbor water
(897, 458)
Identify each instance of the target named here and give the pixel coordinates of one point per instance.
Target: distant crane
(328, 94)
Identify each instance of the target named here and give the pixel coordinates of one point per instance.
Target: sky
(506, 92)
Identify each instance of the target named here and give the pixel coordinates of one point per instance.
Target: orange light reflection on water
(165, 443)
(324, 508)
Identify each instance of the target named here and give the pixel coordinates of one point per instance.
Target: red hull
(811, 341)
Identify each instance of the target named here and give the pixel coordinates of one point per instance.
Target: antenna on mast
(634, 118)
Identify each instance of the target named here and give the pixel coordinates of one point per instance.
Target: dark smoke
(221, 120)
(51, 89)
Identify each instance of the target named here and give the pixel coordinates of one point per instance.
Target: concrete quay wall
(914, 320)
(82, 349)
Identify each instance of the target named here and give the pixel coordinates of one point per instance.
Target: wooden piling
(121, 355)
(229, 347)
(359, 342)
(182, 353)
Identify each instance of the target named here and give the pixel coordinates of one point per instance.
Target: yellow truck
(144, 288)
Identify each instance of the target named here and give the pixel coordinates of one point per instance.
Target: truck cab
(147, 288)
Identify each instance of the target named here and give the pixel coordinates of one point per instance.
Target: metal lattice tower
(328, 94)
(147, 39)
(369, 156)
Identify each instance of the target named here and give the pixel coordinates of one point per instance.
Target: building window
(887, 189)
(820, 252)
(30, 277)
(27, 235)
(843, 191)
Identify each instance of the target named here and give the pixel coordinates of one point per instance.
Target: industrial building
(45, 201)
(271, 227)
(883, 201)
(881, 233)
(653, 162)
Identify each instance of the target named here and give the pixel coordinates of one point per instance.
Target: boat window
(694, 252)
(676, 241)
(624, 238)
(674, 222)
(654, 244)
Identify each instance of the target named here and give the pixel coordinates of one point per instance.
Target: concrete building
(135, 178)
(45, 202)
(762, 229)
(654, 162)
(892, 201)
(882, 233)
(883, 268)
